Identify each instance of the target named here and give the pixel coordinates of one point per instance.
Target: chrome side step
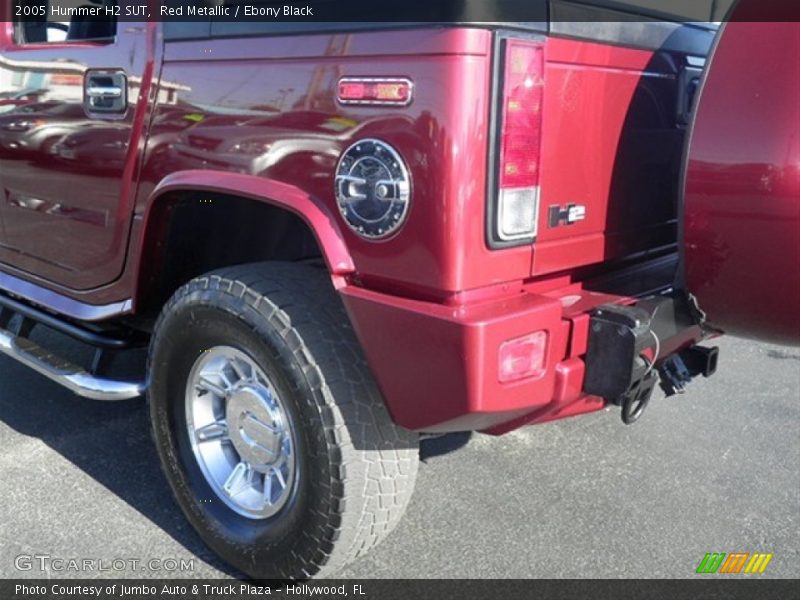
(71, 376)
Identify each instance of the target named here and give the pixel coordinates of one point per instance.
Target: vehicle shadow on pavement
(444, 444)
(110, 442)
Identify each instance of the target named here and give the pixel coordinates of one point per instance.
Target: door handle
(104, 91)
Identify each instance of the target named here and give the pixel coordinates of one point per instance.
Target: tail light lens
(520, 140)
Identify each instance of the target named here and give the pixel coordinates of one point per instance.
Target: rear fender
(314, 213)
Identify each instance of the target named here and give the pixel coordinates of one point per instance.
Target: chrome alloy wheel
(240, 433)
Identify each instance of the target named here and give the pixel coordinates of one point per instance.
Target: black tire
(357, 468)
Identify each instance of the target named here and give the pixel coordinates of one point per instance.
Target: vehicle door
(68, 149)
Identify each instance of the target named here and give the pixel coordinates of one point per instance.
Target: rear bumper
(438, 366)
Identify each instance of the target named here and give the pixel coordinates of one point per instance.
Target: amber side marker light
(378, 91)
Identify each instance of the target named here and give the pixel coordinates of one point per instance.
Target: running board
(71, 376)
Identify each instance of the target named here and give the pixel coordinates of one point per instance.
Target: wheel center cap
(255, 427)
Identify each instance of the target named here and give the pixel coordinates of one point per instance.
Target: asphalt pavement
(714, 470)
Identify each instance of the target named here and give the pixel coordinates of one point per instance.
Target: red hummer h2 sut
(335, 237)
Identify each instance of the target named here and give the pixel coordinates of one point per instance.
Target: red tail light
(520, 140)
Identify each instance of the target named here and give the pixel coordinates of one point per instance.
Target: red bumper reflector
(522, 358)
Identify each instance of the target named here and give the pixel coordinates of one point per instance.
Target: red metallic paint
(598, 153)
(441, 250)
(409, 345)
(568, 399)
(742, 196)
(432, 305)
(442, 361)
(315, 214)
(70, 227)
(441, 254)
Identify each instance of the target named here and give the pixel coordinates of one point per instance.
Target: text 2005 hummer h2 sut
(336, 237)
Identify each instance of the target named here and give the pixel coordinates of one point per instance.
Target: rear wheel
(269, 426)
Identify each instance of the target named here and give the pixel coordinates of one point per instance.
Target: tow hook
(636, 400)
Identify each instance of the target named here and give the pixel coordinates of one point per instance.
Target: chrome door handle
(97, 91)
(105, 92)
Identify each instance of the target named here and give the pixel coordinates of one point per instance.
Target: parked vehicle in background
(100, 148)
(333, 238)
(32, 131)
(10, 101)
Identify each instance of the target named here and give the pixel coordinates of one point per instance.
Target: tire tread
(373, 463)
